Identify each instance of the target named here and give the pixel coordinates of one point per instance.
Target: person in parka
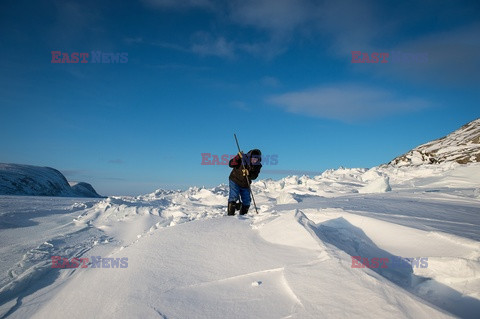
(238, 182)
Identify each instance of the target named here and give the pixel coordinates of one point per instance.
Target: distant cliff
(17, 179)
(461, 146)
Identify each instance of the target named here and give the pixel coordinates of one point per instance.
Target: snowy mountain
(298, 258)
(82, 189)
(461, 146)
(16, 179)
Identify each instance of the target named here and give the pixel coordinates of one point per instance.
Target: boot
(238, 205)
(231, 209)
(244, 210)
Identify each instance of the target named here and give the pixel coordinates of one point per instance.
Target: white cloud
(130, 40)
(278, 19)
(273, 15)
(345, 26)
(453, 57)
(205, 45)
(346, 102)
(347, 23)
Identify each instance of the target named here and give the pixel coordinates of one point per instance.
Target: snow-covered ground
(179, 256)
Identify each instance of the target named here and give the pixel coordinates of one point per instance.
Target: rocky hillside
(16, 179)
(461, 146)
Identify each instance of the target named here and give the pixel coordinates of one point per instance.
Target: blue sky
(278, 73)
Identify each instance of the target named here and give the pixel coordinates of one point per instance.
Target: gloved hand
(245, 172)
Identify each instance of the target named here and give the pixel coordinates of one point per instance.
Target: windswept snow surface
(186, 259)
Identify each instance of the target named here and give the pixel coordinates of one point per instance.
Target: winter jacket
(253, 170)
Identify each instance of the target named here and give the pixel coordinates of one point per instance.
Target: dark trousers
(237, 192)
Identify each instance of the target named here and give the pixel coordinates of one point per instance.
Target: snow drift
(313, 250)
(186, 259)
